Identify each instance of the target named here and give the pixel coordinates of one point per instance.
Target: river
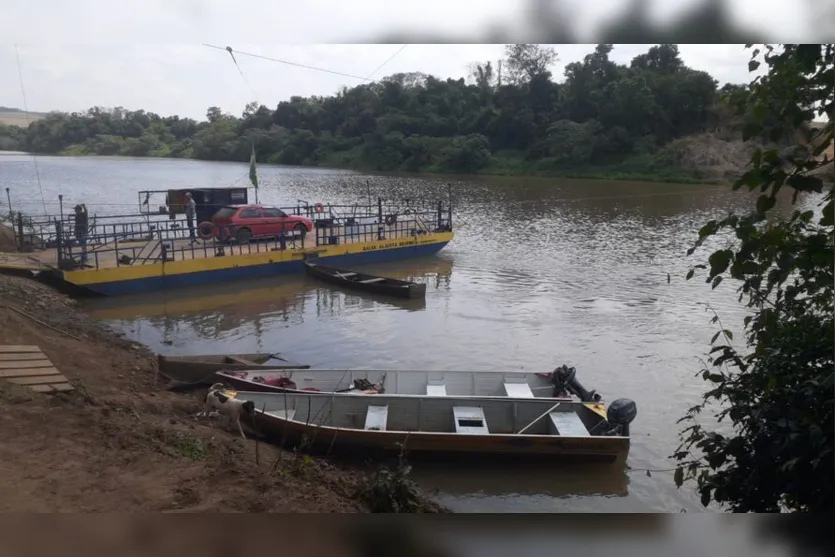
(542, 272)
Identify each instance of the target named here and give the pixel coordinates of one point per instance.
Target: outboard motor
(620, 414)
(565, 381)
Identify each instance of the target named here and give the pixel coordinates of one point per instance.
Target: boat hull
(196, 372)
(438, 426)
(361, 443)
(388, 287)
(133, 279)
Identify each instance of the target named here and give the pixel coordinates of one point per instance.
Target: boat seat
(376, 279)
(376, 418)
(518, 390)
(469, 419)
(567, 424)
(284, 414)
(436, 390)
(345, 275)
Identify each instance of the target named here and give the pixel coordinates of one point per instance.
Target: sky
(151, 54)
(186, 79)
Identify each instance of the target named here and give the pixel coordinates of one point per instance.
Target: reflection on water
(542, 272)
(259, 307)
(489, 487)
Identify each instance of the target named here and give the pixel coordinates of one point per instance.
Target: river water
(542, 272)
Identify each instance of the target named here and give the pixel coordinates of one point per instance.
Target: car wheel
(243, 236)
(300, 228)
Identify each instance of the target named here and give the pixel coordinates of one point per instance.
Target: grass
(643, 168)
(183, 444)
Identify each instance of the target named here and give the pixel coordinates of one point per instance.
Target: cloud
(148, 54)
(187, 79)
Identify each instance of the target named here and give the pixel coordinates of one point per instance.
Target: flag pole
(253, 175)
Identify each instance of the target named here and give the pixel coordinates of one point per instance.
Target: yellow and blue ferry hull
(132, 279)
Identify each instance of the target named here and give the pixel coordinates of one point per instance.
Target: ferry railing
(117, 240)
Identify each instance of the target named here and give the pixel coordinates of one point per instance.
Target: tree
(777, 394)
(213, 114)
(634, 112)
(483, 75)
(526, 61)
(662, 58)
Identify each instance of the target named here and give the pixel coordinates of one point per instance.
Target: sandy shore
(120, 443)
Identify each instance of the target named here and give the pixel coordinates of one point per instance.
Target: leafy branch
(778, 397)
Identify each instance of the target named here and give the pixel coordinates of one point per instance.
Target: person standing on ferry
(191, 210)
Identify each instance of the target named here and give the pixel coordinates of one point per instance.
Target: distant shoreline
(592, 173)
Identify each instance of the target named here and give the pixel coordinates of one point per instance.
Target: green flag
(253, 176)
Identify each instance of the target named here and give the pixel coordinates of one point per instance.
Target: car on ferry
(248, 222)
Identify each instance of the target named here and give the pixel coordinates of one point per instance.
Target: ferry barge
(152, 250)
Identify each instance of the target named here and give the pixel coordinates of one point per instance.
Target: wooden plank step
(34, 372)
(51, 388)
(25, 365)
(45, 379)
(7, 348)
(20, 357)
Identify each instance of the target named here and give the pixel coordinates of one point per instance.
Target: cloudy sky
(151, 54)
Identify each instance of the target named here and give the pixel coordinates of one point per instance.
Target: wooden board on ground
(20, 357)
(27, 366)
(12, 348)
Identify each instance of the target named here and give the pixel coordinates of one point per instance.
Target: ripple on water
(540, 274)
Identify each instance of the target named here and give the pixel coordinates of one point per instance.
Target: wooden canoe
(365, 282)
(200, 370)
(400, 382)
(439, 426)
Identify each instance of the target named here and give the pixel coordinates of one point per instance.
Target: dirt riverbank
(121, 443)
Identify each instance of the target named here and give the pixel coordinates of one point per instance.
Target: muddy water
(542, 272)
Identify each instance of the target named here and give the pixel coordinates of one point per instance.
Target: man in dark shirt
(81, 229)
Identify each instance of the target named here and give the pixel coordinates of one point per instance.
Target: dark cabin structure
(208, 200)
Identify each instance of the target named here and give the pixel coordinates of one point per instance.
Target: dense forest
(508, 117)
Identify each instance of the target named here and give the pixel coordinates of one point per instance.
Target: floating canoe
(446, 426)
(365, 282)
(400, 382)
(201, 369)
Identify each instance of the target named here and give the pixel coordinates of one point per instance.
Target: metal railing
(117, 240)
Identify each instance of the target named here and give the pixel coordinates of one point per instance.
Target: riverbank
(636, 169)
(121, 443)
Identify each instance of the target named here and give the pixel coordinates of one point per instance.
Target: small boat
(446, 426)
(402, 382)
(365, 282)
(199, 370)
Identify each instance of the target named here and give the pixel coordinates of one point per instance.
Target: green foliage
(602, 115)
(526, 61)
(11, 137)
(391, 491)
(778, 391)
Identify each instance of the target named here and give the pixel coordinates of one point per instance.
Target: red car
(245, 222)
